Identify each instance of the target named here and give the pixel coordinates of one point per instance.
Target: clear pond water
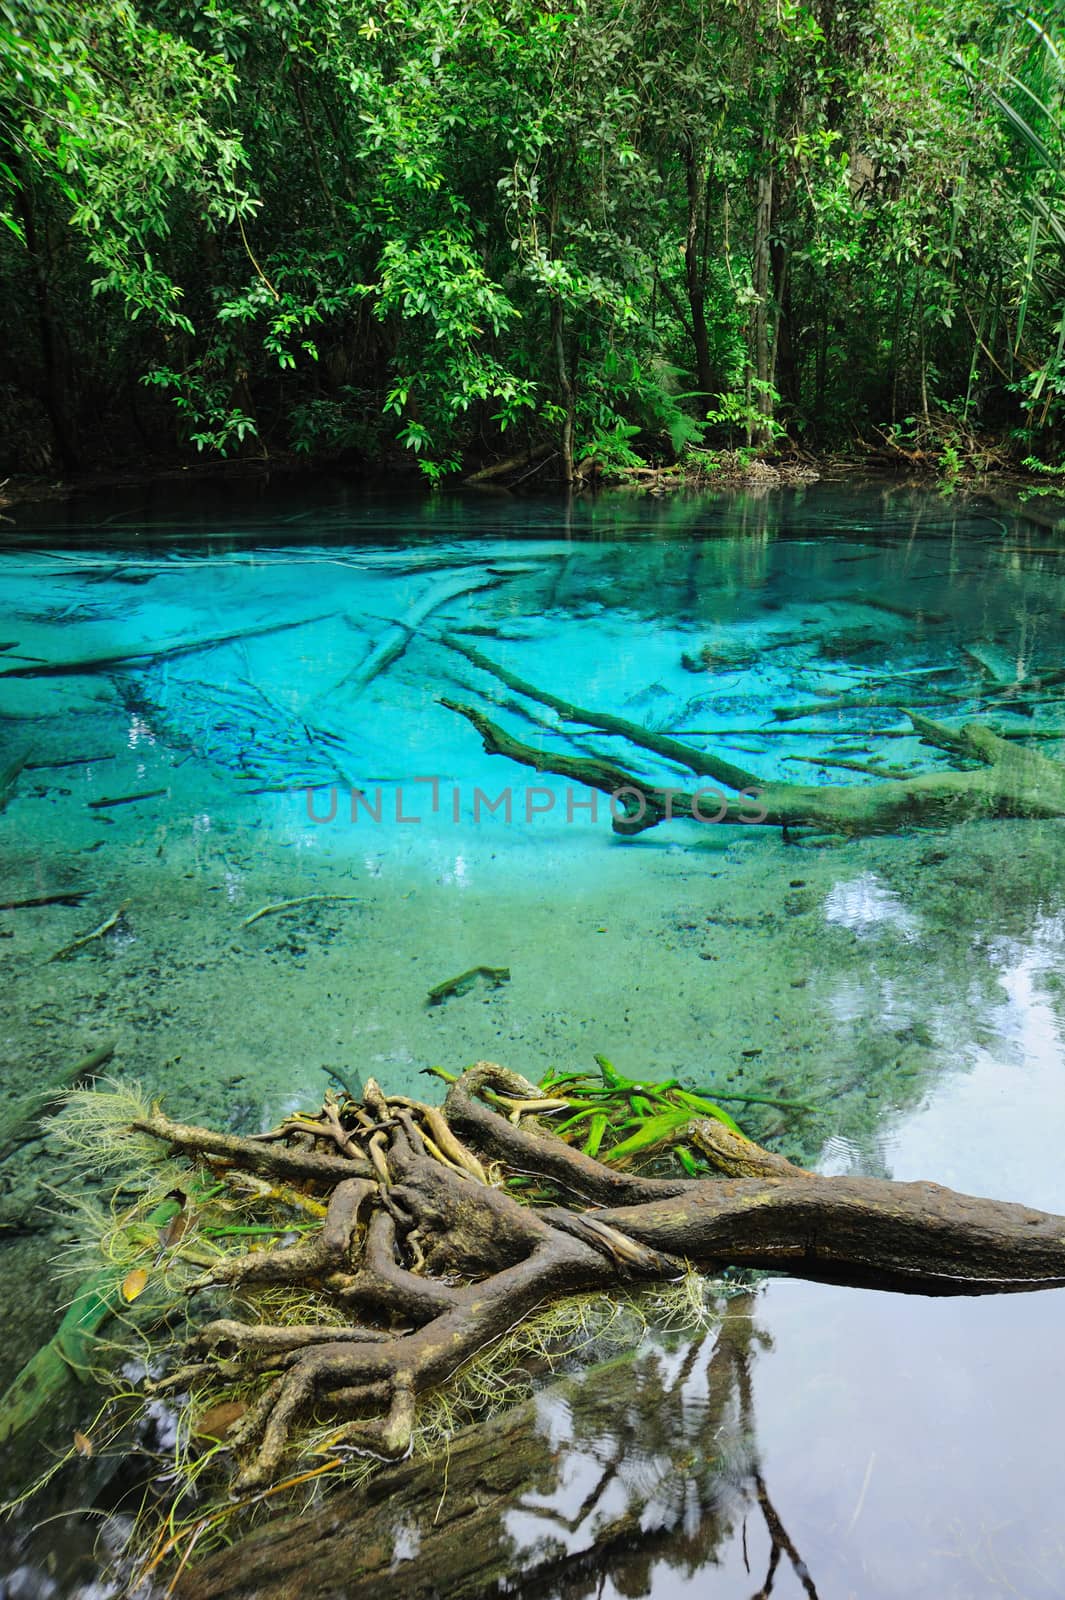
(247, 666)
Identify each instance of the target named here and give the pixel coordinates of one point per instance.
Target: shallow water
(908, 988)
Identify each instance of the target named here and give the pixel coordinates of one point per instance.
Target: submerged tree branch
(1010, 782)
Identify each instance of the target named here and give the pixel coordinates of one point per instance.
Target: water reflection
(660, 1472)
(857, 1451)
(644, 1467)
(866, 907)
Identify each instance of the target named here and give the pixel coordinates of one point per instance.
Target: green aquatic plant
(622, 1120)
(625, 1121)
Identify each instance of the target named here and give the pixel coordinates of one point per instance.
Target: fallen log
(1010, 782)
(421, 1246)
(484, 1261)
(395, 641)
(81, 666)
(500, 469)
(661, 744)
(455, 1513)
(897, 700)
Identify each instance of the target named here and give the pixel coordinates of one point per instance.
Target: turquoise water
(909, 987)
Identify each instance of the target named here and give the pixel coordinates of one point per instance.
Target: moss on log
(1011, 781)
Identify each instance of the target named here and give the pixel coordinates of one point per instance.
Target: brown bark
(430, 1258)
(500, 469)
(454, 1517)
(438, 1263)
(443, 1525)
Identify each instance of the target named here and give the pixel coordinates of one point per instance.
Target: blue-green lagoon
(266, 675)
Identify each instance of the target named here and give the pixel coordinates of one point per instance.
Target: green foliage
(624, 1120)
(611, 448)
(330, 225)
(112, 116)
(745, 413)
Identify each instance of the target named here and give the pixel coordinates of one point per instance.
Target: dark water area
(248, 659)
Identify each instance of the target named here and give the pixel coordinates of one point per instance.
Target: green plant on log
(355, 1280)
(623, 1120)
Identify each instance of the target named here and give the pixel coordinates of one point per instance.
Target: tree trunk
(435, 1262)
(565, 389)
(425, 1258)
(761, 434)
(693, 278)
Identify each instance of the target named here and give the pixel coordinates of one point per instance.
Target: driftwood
(1001, 778)
(104, 928)
(61, 897)
(897, 700)
(278, 906)
(401, 632)
(72, 761)
(81, 666)
(500, 469)
(452, 988)
(429, 1256)
(125, 799)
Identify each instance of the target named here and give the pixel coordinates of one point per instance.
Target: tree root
(425, 1245)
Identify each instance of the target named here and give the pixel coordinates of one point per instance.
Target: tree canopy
(366, 228)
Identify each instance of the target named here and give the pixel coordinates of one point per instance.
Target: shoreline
(715, 470)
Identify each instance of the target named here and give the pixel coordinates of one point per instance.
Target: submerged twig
(453, 987)
(126, 799)
(88, 938)
(289, 905)
(82, 665)
(61, 897)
